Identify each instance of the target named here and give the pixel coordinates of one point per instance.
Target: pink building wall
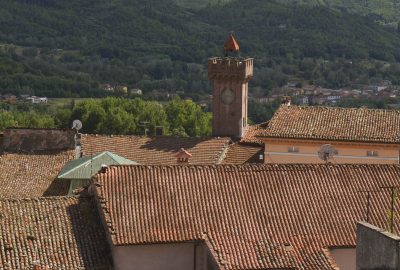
(174, 256)
(345, 258)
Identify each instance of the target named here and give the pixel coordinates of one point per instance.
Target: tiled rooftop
(252, 216)
(250, 137)
(329, 123)
(33, 175)
(241, 153)
(156, 150)
(58, 233)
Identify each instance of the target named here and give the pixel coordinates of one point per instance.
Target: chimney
(104, 168)
(286, 100)
(183, 156)
(159, 130)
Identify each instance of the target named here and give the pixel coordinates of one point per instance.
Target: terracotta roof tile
(329, 123)
(240, 153)
(253, 216)
(33, 175)
(60, 233)
(231, 44)
(157, 150)
(252, 132)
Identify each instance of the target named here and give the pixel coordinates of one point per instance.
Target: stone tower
(229, 77)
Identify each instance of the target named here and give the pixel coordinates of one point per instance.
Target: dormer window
(372, 153)
(293, 149)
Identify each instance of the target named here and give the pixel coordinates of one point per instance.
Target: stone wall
(376, 248)
(30, 140)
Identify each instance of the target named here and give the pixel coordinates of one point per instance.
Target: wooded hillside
(68, 48)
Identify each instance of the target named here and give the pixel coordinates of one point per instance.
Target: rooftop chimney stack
(183, 156)
(104, 168)
(286, 100)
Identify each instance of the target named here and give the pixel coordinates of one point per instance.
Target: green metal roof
(86, 167)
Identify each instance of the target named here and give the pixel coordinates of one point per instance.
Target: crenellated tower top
(229, 67)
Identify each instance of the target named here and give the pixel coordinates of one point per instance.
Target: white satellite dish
(77, 125)
(326, 152)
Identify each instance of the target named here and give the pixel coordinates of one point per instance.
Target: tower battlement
(230, 67)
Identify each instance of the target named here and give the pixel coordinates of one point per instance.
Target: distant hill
(386, 11)
(83, 43)
(382, 10)
(70, 47)
(198, 4)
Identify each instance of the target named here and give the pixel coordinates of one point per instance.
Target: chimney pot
(286, 100)
(183, 156)
(104, 168)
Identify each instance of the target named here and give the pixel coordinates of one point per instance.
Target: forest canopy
(70, 48)
(114, 116)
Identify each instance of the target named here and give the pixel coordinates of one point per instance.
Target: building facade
(298, 134)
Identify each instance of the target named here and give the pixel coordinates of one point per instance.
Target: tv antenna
(368, 192)
(77, 125)
(326, 152)
(393, 198)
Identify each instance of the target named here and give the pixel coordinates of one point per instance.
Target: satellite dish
(77, 125)
(326, 152)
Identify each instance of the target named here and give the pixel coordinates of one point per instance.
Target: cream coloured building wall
(307, 152)
(174, 256)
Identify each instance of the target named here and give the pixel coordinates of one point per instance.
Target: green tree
(62, 118)
(91, 113)
(7, 120)
(188, 115)
(117, 121)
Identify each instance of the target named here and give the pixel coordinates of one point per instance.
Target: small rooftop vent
(104, 168)
(159, 130)
(183, 156)
(286, 100)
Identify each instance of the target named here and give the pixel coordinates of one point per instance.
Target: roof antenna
(91, 159)
(393, 197)
(77, 125)
(368, 203)
(91, 164)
